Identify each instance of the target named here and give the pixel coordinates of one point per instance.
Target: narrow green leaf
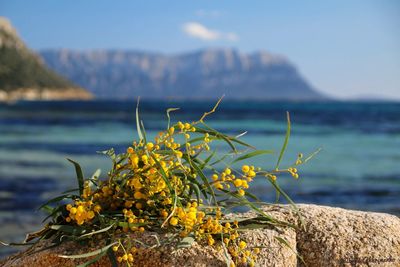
(186, 242)
(16, 244)
(286, 243)
(143, 132)
(110, 152)
(95, 259)
(53, 214)
(113, 259)
(253, 154)
(205, 162)
(312, 155)
(79, 175)
(126, 224)
(138, 121)
(293, 205)
(285, 142)
(169, 119)
(89, 254)
(47, 209)
(196, 190)
(67, 229)
(71, 190)
(58, 199)
(164, 176)
(220, 159)
(205, 181)
(96, 174)
(217, 135)
(96, 232)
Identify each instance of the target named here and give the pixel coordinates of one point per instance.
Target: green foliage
(20, 68)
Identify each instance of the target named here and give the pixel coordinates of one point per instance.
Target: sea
(357, 166)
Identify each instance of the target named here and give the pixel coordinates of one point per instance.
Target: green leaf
(79, 175)
(47, 209)
(285, 142)
(312, 155)
(165, 177)
(57, 199)
(196, 189)
(74, 230)
(293, 205)
(71, 190)
(126, 224)
(37, 234)
(54, 212)
(253, 226)
(253, 154)
(217, 135)
(16, 244)
(113, 259)
(96, 174)
(95, 259)
(220, 159)
(138, 121)
(89, 254)
(143, 132)
(96, 232)
(286, 244)
(205, 181)
(186, 242)
(169, 119)
(204, 164)
(110, 152)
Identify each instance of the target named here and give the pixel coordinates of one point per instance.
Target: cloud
(199, 31)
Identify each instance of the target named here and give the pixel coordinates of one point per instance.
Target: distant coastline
(44, 94)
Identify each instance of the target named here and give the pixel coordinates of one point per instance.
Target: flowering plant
(171, 184)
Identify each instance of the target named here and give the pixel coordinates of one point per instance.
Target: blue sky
(345, 48)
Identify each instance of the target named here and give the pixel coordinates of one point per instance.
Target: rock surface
(339, 237)
(324, 236)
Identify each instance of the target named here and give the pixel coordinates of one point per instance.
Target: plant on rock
(173, 185)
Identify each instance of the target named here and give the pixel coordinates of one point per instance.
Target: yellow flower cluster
(227, 178)
(153, 184)
(81, 211)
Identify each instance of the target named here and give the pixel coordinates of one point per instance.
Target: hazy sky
(344, 48)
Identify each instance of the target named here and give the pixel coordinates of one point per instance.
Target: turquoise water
(358, 166)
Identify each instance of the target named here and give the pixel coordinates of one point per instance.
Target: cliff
(23, 75)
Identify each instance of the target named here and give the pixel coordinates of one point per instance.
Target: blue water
(358, 166)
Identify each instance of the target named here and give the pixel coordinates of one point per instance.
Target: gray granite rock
(339, 237)
(324, 236)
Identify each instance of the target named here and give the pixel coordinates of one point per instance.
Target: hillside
(202, 74)
(23, 75)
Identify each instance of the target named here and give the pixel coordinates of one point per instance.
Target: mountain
(207, 73)
(23, 75)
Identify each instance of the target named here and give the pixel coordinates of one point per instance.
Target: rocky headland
(24, 76)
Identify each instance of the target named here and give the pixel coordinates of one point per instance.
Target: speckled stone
(168, 256)
(338, 237)
(323, 236)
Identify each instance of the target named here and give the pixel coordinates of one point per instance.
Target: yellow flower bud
(245, 168)
(238, 182)
(173, 221)
(241, 192)
(73, 210)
